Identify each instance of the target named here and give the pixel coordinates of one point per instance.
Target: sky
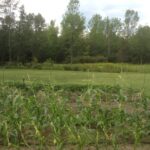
(54, 9)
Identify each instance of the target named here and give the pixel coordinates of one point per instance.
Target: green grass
(93, 67)
(139, 81)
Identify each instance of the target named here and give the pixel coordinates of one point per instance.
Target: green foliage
(72, 29)
(140, 43)
(96, 67)
(47, 117)
(96, 36)
(28, 36)
(89, 59)
(131, 21)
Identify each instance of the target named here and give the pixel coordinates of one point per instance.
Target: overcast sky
(54, 9)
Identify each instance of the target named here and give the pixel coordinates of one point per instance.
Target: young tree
(52, 40)
(96, 35)
(112, 30)
(72, 28)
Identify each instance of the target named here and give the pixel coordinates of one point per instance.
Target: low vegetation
(46, 116)
(91, 67)
(133, 80)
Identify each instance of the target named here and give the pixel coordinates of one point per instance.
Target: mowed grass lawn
(131, 80)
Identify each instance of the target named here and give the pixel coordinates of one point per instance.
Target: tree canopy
(28, 38)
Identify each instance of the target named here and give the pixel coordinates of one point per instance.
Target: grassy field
(140, 81)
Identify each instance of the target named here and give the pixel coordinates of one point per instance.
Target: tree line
(28, 38)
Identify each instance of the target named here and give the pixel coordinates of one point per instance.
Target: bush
(89, 59)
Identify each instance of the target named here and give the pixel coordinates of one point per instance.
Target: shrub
(89, 59)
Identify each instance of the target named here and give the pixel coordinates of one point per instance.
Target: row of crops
(45, 117)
